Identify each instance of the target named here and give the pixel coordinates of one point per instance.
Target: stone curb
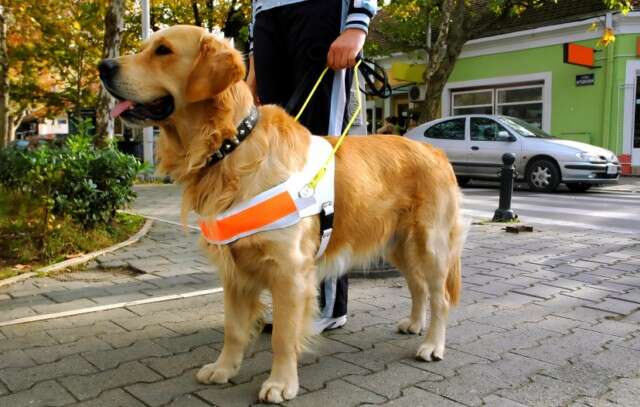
(82, 259)
(635, 190)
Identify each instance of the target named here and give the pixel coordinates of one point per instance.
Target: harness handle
(316, 179)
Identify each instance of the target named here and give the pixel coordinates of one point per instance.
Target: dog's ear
(215, 69)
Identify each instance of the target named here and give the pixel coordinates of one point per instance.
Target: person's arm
(344, 50)
(251, 80)
(360, 14)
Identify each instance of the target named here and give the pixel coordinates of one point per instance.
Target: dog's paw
(212, 373)
(430, 352)
(277, 391)
(405, 326)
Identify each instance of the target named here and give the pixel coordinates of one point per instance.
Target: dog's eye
(163, 50)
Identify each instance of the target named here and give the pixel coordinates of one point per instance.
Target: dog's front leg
(241, 309)
(293, 293)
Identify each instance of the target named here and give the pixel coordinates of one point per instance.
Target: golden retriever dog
(393, 197)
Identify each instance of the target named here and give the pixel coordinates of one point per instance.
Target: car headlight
(588, 157)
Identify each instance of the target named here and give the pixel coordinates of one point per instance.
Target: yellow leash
(323, 169)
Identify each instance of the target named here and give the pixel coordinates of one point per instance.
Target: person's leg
(333, 304)
(342, 295)
(273, 76)
(308, 44)
(273, 71)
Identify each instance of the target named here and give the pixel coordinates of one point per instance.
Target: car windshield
(524, 129)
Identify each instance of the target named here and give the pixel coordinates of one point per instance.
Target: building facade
(522, 73)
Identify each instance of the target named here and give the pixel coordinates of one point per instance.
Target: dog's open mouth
(158, 109)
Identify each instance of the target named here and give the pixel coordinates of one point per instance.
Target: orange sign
(579, 55)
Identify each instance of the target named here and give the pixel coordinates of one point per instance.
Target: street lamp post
(147, 132)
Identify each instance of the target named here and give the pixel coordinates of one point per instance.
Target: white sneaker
(326, 324)
(317, 326)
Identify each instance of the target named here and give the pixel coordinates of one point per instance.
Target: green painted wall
(625, 50)
(577, 113)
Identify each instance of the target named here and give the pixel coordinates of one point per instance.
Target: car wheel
(463, 181)
(578, 187)
(543, 176)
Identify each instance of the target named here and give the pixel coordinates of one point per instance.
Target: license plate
(612, 169)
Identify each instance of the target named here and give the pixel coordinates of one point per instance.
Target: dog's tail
(454, 282)
(457, 237)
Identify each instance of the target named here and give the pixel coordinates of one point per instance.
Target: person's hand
(251, 80)
(345, 49)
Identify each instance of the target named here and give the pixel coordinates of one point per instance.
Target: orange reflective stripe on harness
(252, 218)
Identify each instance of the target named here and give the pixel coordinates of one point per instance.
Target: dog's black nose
(108, 69)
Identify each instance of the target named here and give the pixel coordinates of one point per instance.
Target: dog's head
(175, 67)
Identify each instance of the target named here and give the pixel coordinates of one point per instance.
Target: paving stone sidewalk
(547, 318)
(626, 184)
(166, 261)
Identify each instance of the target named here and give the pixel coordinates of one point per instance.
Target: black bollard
(504, 213)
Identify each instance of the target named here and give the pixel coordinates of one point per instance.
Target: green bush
(75, 180)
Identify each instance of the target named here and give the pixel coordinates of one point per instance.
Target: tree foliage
(54, 46)
(403, 27)
(231, 17)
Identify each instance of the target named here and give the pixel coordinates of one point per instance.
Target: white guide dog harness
(283, 205)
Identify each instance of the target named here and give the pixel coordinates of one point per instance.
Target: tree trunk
(210, 22)
(196, 13)
(14, 122)
(436, 80)
(113, 28)
(442, 56)
(430, 108)
(5, 128)
(227, 21)
(80, 73)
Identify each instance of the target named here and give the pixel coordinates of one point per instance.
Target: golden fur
(394, 197)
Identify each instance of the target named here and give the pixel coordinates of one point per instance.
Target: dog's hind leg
(436, 269)
(292, 293)
(399, 257)
(241, 310)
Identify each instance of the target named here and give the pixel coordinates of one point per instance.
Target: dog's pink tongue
(121, 107)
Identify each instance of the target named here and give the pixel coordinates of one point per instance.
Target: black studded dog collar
(242, 132)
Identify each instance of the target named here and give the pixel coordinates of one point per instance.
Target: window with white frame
(523, 102)
(472, 102)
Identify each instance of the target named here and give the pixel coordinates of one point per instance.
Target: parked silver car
(475, 145)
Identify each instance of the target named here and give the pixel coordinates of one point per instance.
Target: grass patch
(22, 249)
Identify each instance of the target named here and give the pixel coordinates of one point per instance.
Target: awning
(403, 72)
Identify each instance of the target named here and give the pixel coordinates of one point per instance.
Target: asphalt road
(609, 211)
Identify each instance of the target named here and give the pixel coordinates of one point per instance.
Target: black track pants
(289, 43)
